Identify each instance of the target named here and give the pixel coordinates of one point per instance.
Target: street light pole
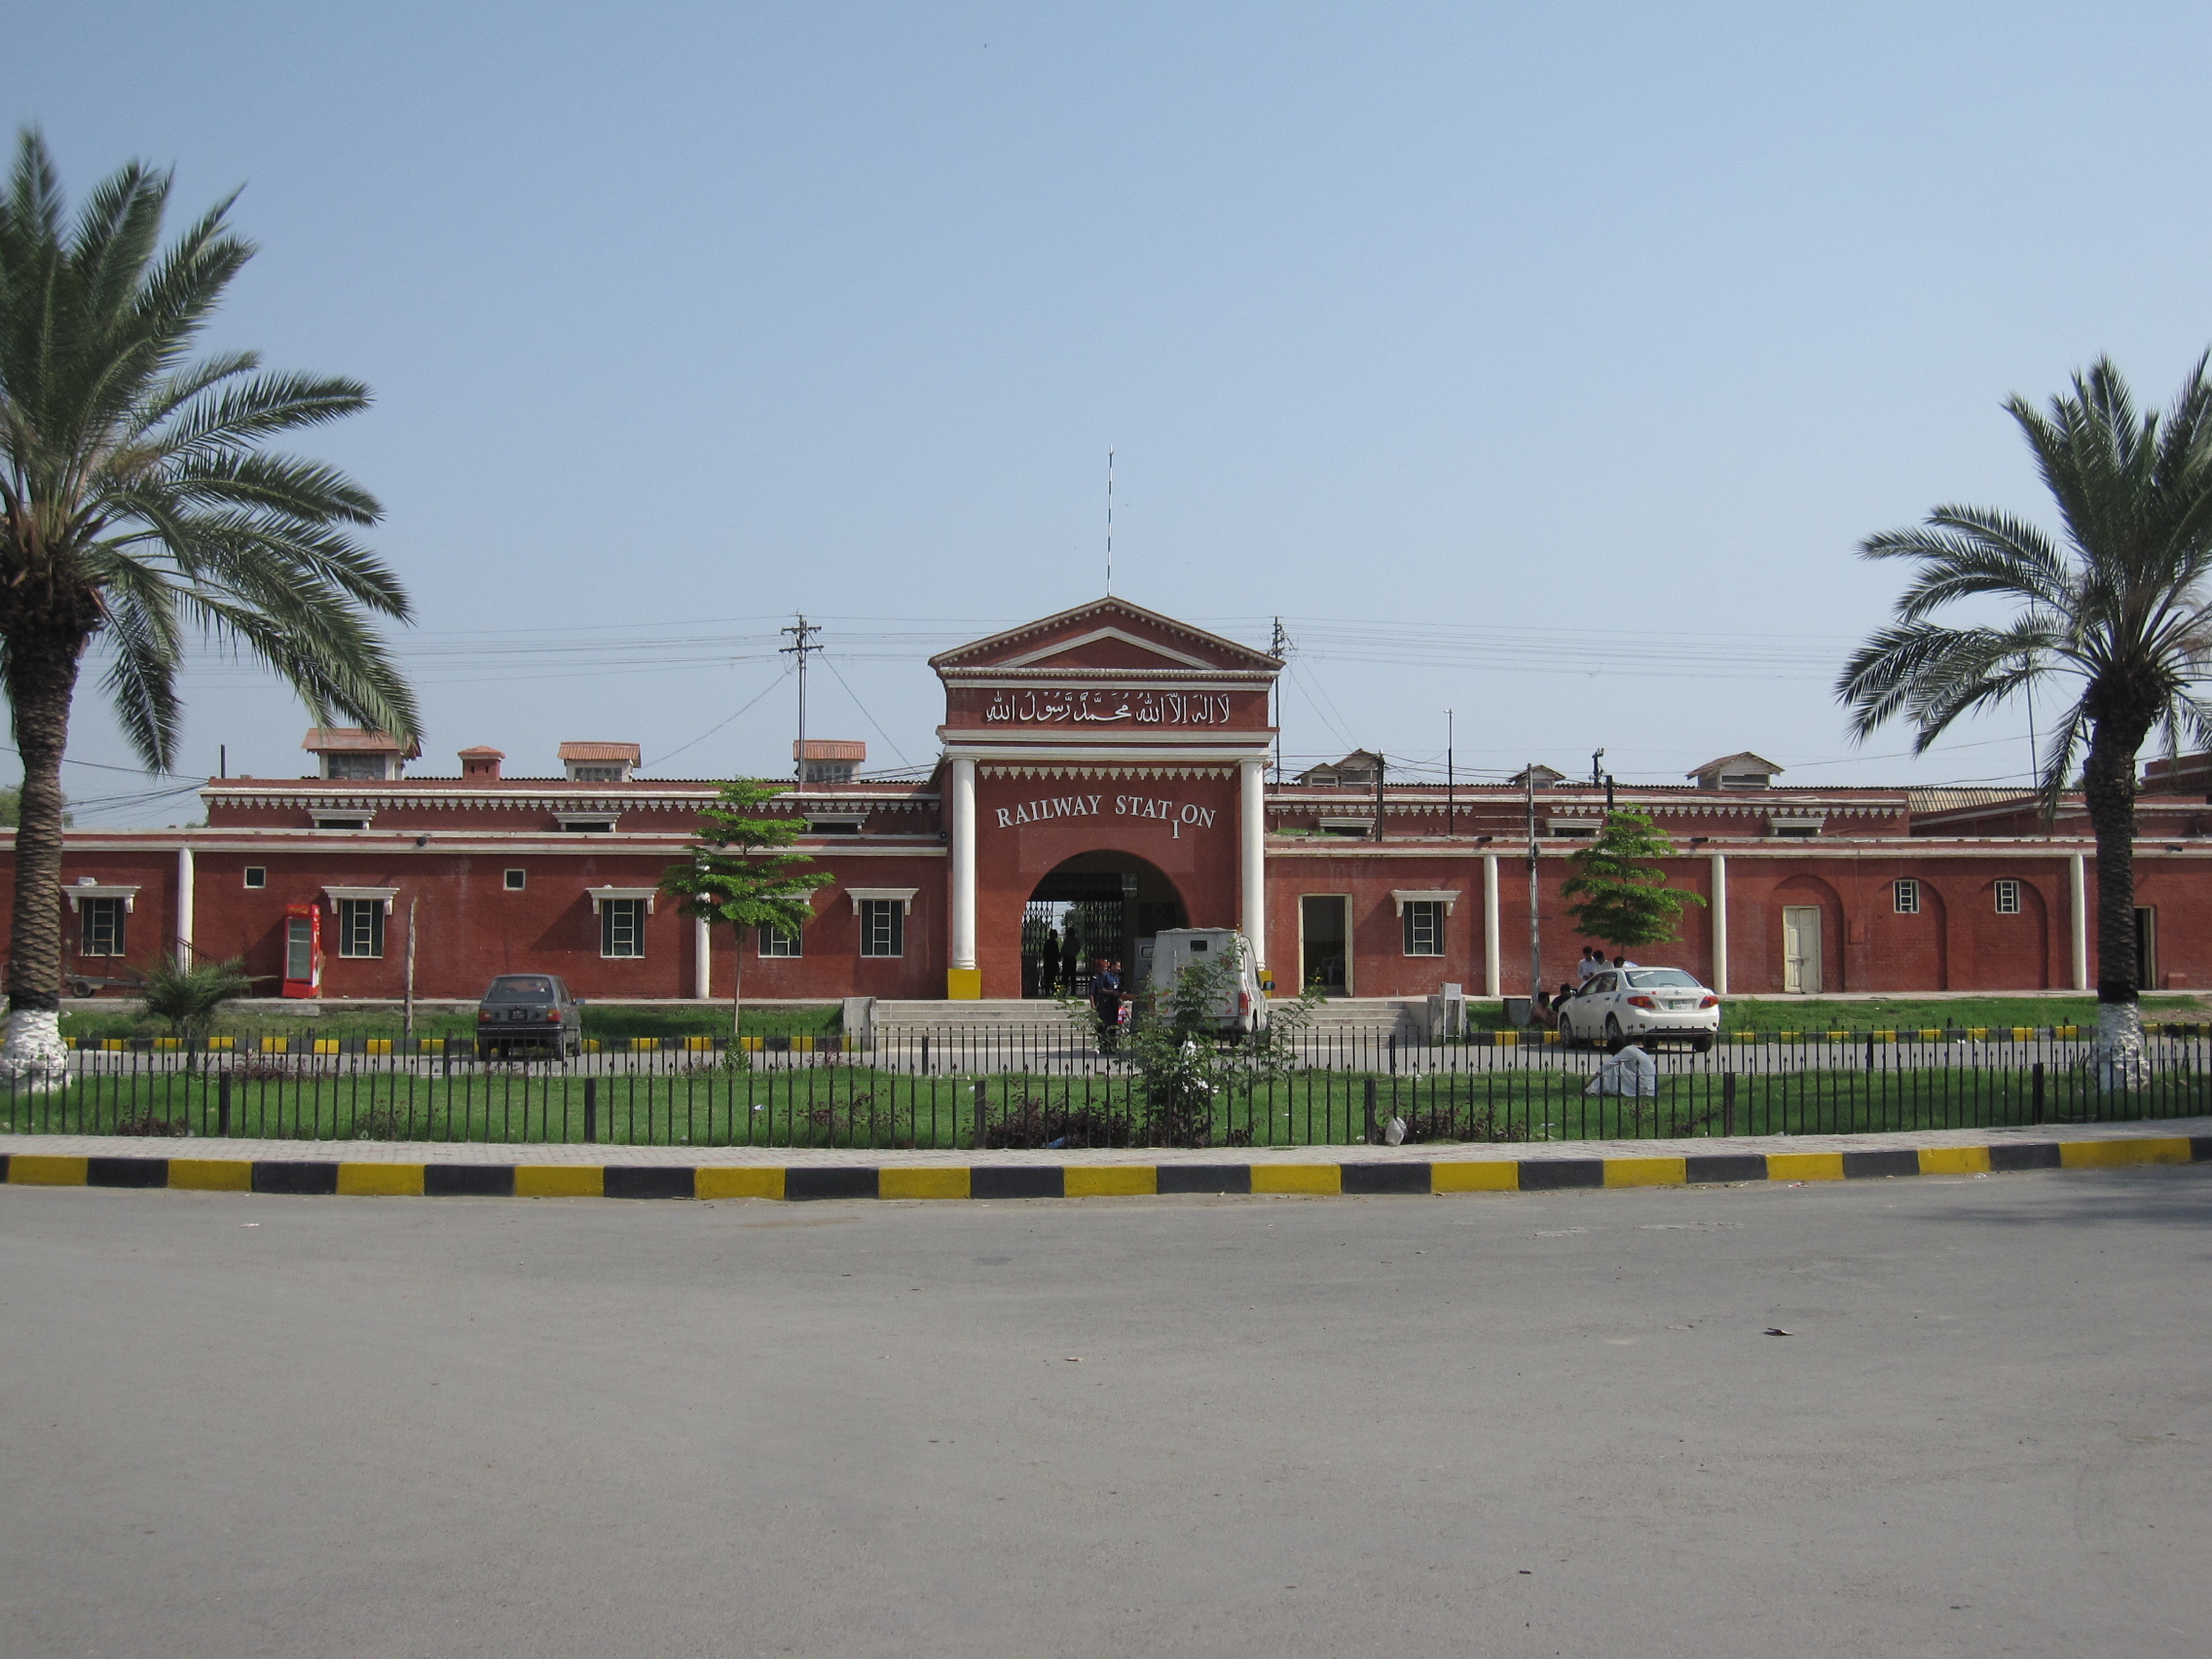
(1535, 940)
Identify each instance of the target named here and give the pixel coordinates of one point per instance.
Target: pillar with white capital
(1252, 856)
(184, 905)
(963, 977)
(1720, 923)
(703, 957)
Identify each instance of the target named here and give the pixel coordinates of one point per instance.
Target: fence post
(223, 1106)
(591, 1110)
(982, 1109)
(1727, 1103)
(925, 1054)
(1370, 1110)
(1393, 1053)
(1869, 1050)
(2036, 1091)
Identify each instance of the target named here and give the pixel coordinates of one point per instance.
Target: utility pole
(1535, 940)
(1595, 775)
(1451, 802)
(1379, 769)
(802, 646)
(1278, 648)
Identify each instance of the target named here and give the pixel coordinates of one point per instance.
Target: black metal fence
(1052, 1087)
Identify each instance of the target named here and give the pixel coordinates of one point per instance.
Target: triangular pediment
(1105, 633)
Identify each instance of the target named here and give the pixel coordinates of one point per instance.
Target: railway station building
(1111, 765)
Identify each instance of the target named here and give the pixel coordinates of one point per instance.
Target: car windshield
(1651, 978)
(521, 987)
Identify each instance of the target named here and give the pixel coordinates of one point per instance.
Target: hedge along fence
(696, 1097)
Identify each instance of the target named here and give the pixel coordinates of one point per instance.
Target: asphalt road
(1528, 1424)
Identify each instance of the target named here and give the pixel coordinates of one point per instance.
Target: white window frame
(614, 915)
(256, 877)
(95, 909)
(1435, 902)
(779, 945)
(353, 913)
(900, 897)
(889, 915)
(1417, 917)
(2007, 896)
(514, 880)
(602, 896)
(351, 767)
(1905, 893)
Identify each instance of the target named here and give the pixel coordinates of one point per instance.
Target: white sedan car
(1620, 1006)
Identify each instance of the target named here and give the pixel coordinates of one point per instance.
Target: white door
(1802, 950)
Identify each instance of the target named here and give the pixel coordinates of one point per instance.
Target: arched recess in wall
(1936, 920)
(1802, 892)
(2007, 951)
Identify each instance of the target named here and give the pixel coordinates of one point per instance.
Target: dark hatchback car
(528, 1012)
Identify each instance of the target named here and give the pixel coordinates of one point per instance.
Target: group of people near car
(1593, 961)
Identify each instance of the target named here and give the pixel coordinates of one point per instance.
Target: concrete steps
(1375, 1018)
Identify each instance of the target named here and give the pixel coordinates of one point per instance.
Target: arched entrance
(1092, 905)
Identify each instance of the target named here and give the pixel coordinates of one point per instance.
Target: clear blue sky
(1578, 345)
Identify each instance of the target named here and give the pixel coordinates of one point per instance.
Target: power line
(710, 731)
(831, 663)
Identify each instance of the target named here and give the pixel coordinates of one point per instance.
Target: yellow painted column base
(964, 985)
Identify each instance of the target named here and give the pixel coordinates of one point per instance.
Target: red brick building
(1112, 761)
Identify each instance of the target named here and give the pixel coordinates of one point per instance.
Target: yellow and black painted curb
(312, 1176)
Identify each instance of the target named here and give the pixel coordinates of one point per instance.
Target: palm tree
(137, 507)
(2116, 608)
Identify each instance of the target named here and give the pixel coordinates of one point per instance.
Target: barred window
(100, 924)
(778, 942)
(360, 927)
(2007, 896)
(1908, 897)
(883, 927)
(1424, 923)
(622, 927)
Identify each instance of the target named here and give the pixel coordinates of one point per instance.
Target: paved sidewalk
(794, 1158)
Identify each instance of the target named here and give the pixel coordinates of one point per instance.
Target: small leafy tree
(190, 998)
(741, 872)
(1187, 1068)
(1620, 898)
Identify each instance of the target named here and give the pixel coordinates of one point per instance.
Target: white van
(1243, 1007)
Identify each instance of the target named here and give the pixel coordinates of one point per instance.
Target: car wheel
(1616, 1038)
(483, 1052)
(1565, 1032)
(1701, 1045)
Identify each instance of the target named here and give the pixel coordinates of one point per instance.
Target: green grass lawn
(677, 1101)
(600, 1020)
(1914, 1013)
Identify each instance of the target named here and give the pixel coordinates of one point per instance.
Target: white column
(2078, 887)
(703, 957)
(184, 906)
(963, 871)
(1720, 923)
(1493, 967)
(1252, 856)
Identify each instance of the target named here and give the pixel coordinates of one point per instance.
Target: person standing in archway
(1049, 968)
(1106, 1002)
(1070, 949)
